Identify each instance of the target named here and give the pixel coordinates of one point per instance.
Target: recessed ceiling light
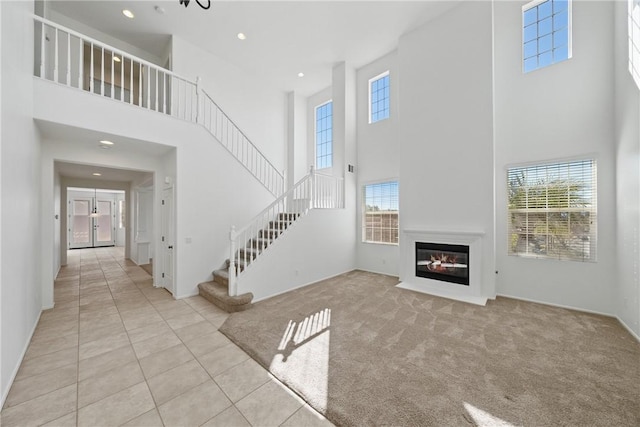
(105, 142)
(300, 74)
(128, 13)
(242, 36)
(96, 174)
(116, 59)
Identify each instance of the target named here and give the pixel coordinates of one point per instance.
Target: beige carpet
(363, 352)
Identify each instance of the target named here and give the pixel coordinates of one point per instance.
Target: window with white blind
(380, 213)
(552, 210)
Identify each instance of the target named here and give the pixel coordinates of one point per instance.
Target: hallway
(117, 351)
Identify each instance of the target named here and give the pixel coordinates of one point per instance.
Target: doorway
(92, 216)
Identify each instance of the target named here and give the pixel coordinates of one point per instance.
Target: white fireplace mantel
(472, 238)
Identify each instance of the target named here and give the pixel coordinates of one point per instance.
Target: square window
(379, 97)
(544, 43)
(546, 33)
(531, 49)
(530, 33)
(545, 26)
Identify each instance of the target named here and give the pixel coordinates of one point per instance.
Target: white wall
(446, 136)
(296, 138)
(252, 104)
(20, 179)
(120, 232)
(304, 254)
(57, 217)
(627, 146)
(558, 112)
(378, 158)
(208, 180)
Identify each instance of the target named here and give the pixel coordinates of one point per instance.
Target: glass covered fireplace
(438, 261)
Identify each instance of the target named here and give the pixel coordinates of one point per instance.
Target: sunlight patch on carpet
(302, 357)
(485, 419)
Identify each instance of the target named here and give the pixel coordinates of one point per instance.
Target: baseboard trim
(186, 296)
(633, 334)
(302, 286)
(568, 307)
(5, 393)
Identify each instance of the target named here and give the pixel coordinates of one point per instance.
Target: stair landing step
(218, 295)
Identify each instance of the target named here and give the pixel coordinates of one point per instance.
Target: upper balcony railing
(72, 59)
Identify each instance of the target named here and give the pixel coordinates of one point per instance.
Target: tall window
(379, 97)
(324, 135)
(546, 33)
(552, 211)
(634, 40)
(380, 213)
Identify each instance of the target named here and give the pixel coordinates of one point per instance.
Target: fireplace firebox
(448, 263)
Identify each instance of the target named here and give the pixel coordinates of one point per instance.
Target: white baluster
(148, 87)
(43, 48)
(140, 80)
(113, 82)
(164, 93)
(198, 106)
(80, 63)
(68, 59)
(131, 89)
(233, 291)
(312, 177)
(91, 71)
(102, 73)
(122, 85)
(55, 59)
(156, 109)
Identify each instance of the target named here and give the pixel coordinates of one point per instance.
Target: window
(379, 97)
(546, 33)
(380, 213)
(634, 40)
(552, 211)
(324, 135)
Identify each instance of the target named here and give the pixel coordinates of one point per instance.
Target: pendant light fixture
(94, 213)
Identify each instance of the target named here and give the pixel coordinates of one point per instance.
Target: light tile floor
(117, 351)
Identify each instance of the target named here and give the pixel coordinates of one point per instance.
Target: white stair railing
(314, 191)
(328, 192)
(67, 57)
(75, 60)
(236, 142)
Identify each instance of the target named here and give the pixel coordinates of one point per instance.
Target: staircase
(314, 191)
(217, 290)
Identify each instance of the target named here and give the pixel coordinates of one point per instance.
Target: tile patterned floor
(117, 351)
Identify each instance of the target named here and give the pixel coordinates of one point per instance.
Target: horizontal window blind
(553, 211)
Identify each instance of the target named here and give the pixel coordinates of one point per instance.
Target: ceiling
(284, 38)
(81, 171)
(89, 139)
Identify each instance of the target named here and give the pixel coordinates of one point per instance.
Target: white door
(167, 239)
(103, 225)
(80, 224)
